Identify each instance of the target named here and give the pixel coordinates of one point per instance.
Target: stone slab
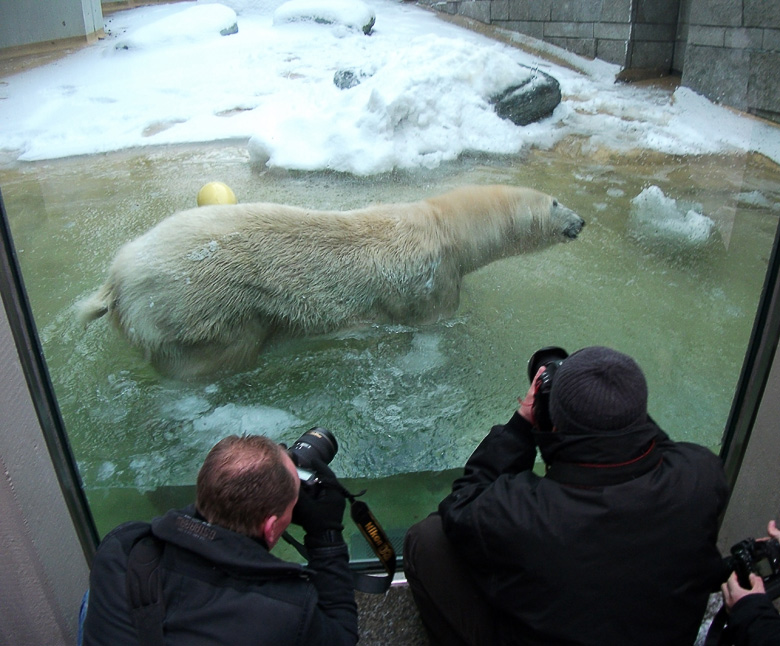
(580, 11)
(719, 74)
(761, 13)
(722, 13)
(530, 9)
(568, 30)
(706, 36)
(764, 82)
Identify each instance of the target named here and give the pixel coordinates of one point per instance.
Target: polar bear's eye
(555, 203)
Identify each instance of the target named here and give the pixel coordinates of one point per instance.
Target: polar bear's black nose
(573, 230)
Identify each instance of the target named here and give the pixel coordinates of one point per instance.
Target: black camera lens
(544, 357)
(316, 443)
(551, 358)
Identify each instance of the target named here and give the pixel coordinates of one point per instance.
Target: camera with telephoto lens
(551, 358)
(316, 443)
(759, 557)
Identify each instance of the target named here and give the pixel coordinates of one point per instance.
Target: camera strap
(375, 536)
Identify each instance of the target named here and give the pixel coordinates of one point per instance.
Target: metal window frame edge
(36, 373)
(759, 357)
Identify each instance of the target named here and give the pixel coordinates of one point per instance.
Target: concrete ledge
(49, 46)
(110, 6)
(390, 619)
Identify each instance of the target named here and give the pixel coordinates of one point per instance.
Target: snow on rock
(419, 107)
(534, 99)
(353, 14)
(191, 24)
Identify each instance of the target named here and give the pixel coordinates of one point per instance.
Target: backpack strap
(143, 584)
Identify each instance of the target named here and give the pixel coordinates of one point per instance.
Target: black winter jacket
(220, 587)
(754, 621)
(615, 546)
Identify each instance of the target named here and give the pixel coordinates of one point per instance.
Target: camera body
(316, 443)
(760, 557)
(551, 357)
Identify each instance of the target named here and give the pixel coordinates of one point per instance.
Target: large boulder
(530, 101)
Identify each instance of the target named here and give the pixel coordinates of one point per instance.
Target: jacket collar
(600, 459)
(221, 546)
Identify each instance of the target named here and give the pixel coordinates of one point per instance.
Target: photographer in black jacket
(753, 620)
(217, 581)
(615, 545)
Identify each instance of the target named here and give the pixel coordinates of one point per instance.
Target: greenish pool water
(405, 403)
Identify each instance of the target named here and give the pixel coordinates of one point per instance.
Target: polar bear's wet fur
(205, 288)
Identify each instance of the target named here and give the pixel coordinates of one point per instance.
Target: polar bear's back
(203, 289)
(200, 273)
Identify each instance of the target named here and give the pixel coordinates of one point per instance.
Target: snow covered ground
(167, 74)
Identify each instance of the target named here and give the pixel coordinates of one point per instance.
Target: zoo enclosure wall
(728, 51)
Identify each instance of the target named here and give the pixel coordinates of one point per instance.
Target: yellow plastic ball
(216, 193)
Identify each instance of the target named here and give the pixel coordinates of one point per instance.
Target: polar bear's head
(539, 215)
(495, 221)
(564, 220)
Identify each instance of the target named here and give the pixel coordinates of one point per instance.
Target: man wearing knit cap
(613, 546)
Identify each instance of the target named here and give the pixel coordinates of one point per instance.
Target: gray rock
(358, 16)
(530, 101)
(345, 79)
(228, 31)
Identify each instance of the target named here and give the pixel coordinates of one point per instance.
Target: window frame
(36, 373)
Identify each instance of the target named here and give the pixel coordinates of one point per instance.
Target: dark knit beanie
(598, 389)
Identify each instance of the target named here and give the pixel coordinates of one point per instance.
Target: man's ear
(271, 530)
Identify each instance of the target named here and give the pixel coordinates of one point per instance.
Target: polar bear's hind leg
(194, 361)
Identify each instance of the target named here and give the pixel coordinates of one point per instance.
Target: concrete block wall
(732, 54)
(681, 39)
(651, 45)
(727, 50)
(635, 34)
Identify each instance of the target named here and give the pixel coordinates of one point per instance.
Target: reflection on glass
(669, 270)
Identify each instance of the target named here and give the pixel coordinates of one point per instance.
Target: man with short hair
(218, 583)
(614, 546)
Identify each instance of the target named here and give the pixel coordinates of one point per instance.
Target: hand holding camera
(526, 408)
(320, 507)
(322, 499)
(755, 564)
(542, 366)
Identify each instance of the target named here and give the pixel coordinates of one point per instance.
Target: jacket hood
(221, 546)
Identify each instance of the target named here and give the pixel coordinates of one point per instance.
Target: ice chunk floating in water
(240, 420)
(660, 222)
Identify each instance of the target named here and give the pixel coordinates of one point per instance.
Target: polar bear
(204, 289)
